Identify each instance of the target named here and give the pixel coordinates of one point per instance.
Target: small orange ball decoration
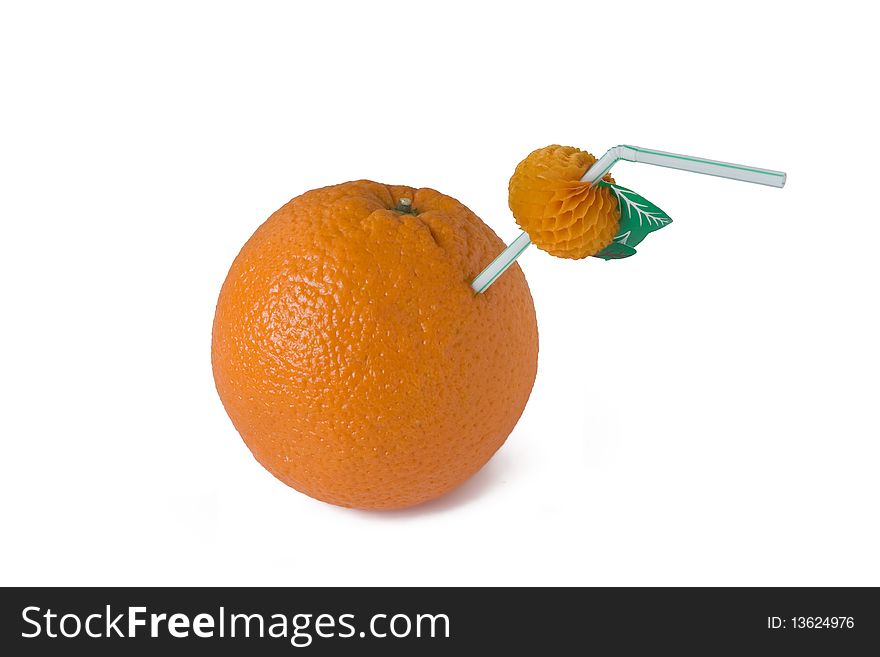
(562, 215)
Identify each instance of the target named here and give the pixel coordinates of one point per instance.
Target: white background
(704, 413)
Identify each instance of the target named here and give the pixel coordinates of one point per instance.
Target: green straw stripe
(703, 161)
(497, 258)
(607, 169)
(511, 261)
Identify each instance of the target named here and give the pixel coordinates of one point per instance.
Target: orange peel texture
(562, 215)
(354, 358)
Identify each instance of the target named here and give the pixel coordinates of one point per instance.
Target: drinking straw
(682, 163)
(646, 156)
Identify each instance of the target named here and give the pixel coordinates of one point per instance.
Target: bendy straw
(646, 156)
(682, 163)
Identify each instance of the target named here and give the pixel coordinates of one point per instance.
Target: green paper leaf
(638, 218)
(615, 251)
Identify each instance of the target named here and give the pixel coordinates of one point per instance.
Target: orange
(354, 358)
(562, 215)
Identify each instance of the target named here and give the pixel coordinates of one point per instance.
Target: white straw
(682, 163)
(500, 264)
(646, 156)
